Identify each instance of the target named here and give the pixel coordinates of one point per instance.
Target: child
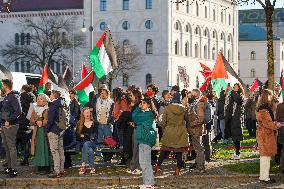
(143, 117)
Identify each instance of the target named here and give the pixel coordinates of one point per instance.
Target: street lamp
(83, 29)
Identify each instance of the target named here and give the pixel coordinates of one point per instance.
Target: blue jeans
(104, 130)
(88, 152)
(145, 164)
(222, 128)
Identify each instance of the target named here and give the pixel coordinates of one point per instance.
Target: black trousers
(165, 154)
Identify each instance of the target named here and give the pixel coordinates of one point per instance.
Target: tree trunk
(270, 48)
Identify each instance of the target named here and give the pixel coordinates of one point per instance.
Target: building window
(222, 17)
(197, 8)
(149, 24)
(125, 25)
(149, 46)
(229, 56)
(187, 28)
(177, 26)
(125, 80)
(28, 67)
(229, 38)
(17, 39)
(205, 12)
(176, 47)
(229, 19)
(197, 82)
(187, 7)
(239, 56)
(186, 49)
(239, 73)
(213, 53)
(22, 39)
(125, 46)
(17, 67)
(252, 55)
(125, 4)
(51, 65)
(148, 4)
(205, 52)
(205, 33)
(58, 66)
(23, 66)
(103, 5)
(28, 37)
(214, 15)
(177, 5)
(196, 30)
(196, 50)
(252, 73)
(282, 55)
(222, 36)
(148, 79)
(103, 26)
(214, 34)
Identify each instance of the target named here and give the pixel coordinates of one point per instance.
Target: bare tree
(268, 6)
(49, 39)
(128, 63)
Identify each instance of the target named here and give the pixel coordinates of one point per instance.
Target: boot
(177, 171)
(158, 169)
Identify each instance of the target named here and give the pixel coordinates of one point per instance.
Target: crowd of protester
(133, 123)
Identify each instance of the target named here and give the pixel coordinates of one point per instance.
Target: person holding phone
(266, 133)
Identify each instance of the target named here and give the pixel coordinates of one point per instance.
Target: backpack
(63, 117)
(207, 113)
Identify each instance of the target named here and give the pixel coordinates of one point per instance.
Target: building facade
(10, 31)
(168, 35)
(253, 45)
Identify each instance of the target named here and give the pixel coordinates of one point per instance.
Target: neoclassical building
(168, 35)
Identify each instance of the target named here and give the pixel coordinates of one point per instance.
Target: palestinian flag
(43, 80)
(67, 76)
(219, 75)
(256, 85)
(103, 56)
(84, 71)
(282, 84)
(84, 87)
(206, 72)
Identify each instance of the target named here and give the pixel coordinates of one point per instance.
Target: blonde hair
(45, 98)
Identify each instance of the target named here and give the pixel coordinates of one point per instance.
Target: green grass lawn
(221, 150)
(251, 167)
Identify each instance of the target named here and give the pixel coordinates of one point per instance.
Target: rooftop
(253, 32)
(41, 5)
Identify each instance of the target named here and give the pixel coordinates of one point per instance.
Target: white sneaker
(136, 172)
(236, 157)
(147, 186)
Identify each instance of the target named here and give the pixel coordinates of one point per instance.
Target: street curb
(109, 181)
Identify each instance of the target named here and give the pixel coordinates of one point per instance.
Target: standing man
(196, 128)
(74, 108)
(55, 133)
(10, 113)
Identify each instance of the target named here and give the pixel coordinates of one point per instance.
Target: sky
(279, 4)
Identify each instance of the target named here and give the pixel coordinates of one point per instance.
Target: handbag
(110, 142)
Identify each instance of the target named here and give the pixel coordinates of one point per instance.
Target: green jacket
(174, 126)
(145, 127)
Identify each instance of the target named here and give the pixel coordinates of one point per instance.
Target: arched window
(177, 25)
(222, 17)
(205, 33)
(196, 46)
(252, 73)
(28, 67)
(28, 38)
(229, 56)
(125, 80)
(222, 36)
(252, 55)
(187, 28)
(176, 47)
(148, 79)
(103, 5)
(213, 53)
(125, 25)
(149, 24)
(196, 31)
(23, 66)
(205, 12)
(177, 6)
(17, 39)
(149, 46)
(22, 39)
(229, 19)
(125, 4)
(17, 67)
(214, 34)
(197, 8)
(186, 49)
(229, 39)
(205, 49)
(103, 26)
(125, 46)
(214, 15)
(149, 4)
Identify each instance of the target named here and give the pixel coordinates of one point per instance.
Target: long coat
(234, 117)
(174, 127)
(266, 134)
